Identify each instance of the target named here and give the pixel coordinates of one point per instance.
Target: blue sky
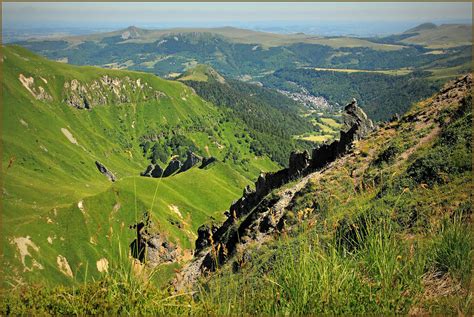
(161, 14)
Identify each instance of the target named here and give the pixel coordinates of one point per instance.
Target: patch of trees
(272, 119)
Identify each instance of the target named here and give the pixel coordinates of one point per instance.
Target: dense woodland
(270, 116)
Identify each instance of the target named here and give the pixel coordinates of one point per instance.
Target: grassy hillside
(201, 73)
(59, 211)
(439, 37)
(385, 229)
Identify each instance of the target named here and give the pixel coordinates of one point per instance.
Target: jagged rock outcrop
(298, 162)
(356, 126)
(207, 161)
(35, 90)
(354, 116)
(153, 170)
(205, 233)
(172, 167)
(101, 167)
(253, 210)
(107, 90)
(149, 246)
(191, 160)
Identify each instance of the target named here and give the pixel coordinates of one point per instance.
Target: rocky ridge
(107, 90)
(256, 213)
(175, 166)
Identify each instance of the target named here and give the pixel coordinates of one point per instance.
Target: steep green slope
(59, 211)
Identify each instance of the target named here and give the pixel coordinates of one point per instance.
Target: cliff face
(107, 90)
(245, 212)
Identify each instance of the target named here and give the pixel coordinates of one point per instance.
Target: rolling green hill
(62, 219)
(133, 34)
(439, 37)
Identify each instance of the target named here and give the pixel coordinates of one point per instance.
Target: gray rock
(153, 170)
(101, 167)
(207, 161)
(191, 160)
(150, 247)
(172, 167)
(298, 162)
(157, 171)
(355, 116)
(147, 172)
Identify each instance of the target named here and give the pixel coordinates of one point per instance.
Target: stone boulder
(157, 171)
(299, 161)
(153, 170)
(204, 238)
(355, 116)
(172, 167)
(191, 160)
(101, 167)
(207, 161)
(149, 246)
(148, 170)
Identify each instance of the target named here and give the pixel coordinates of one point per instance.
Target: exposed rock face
(172, 167)
(175, 166)
(356, 127)
(157, 171)
(36, 91)
(191, 160)
(207, 161)
(205, 233)
(253, 208)
(153, 170)
(298, 162)
(101, 167)
(149, 247)
(356, 117)
(107, 90)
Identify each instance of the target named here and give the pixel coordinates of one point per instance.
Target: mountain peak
(202, 72)
(422, 27)
(132, 32)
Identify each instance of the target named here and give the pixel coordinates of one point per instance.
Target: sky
(18, 15)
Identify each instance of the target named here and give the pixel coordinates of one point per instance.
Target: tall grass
(451, 251)
(311, 275)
